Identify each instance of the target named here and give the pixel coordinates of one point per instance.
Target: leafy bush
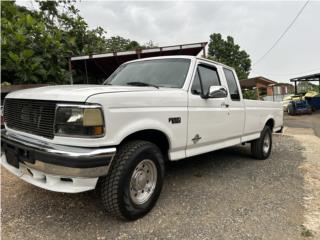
(36, 44)
(250, 94)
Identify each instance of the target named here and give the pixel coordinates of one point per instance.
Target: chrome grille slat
(31, 116)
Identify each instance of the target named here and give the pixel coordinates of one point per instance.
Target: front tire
(261, 147)
(134, 181)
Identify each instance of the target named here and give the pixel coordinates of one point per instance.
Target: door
(236, 116)
(207, 117)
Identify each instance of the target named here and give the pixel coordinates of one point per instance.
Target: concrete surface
(311, 172)
(303, 122)
(305, 130)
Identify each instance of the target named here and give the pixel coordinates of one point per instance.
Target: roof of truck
(182, 56)
(217, 63)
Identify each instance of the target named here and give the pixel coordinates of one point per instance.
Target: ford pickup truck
(117, 137)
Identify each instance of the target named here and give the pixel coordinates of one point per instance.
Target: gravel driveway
(221, 195)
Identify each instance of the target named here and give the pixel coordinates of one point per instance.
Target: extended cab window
(232, 84)
(208, 77)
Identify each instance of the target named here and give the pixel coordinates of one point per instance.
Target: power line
(284, 33)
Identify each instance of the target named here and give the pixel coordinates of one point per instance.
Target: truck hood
(74, 93)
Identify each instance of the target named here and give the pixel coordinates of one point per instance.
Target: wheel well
(155, 136)
(270, 123)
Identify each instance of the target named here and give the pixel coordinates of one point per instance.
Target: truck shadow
(214, 161)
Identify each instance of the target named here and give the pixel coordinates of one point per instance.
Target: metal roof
(182, 49)
(311, 77)
(251, 82)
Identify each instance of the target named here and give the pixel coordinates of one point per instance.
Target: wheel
(261, 147)
(134, 181)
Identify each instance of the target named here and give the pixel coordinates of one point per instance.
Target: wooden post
(70, 70)
(138, 52)
(273, 92)
(85, 66)
(258, 95)
(204, 49)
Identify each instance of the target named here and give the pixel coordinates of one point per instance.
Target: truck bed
(258, 112)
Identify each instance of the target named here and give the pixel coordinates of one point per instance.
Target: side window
(208, 77)
(196, 87)
(232, 84)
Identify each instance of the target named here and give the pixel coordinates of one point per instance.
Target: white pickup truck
(116, 137)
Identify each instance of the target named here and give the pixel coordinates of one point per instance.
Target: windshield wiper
(142, 84)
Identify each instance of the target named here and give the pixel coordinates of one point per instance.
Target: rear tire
(261, 147)
(134, 181)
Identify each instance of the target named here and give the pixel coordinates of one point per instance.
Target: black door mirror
(217, 92)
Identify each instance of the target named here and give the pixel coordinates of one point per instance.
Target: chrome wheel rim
(266, 144)
(143, 182)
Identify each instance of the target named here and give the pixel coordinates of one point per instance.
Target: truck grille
(31, 116)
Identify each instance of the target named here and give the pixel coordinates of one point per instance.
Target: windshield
(169, 72)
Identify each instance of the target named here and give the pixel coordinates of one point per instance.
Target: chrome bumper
(57, 160)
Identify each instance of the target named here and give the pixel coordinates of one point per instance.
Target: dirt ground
(221, 195)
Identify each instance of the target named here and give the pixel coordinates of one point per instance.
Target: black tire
(258, 146)
(115, 187)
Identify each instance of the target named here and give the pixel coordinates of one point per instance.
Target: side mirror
(217, 92)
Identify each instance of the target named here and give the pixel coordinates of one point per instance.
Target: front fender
(140, 125)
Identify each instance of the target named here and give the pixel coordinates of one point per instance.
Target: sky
(254, 25)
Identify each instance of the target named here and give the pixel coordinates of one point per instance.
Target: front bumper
(53, 166)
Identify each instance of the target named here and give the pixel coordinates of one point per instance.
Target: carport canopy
(309, 78)
(98, 67)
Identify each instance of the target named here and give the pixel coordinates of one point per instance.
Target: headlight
(79, 121)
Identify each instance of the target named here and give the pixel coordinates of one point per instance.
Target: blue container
(314, 102)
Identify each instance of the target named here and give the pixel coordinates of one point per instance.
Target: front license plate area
(12, 157)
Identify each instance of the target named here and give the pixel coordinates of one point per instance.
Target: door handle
(225, 105)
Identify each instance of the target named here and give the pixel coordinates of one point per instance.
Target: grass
(306, 232)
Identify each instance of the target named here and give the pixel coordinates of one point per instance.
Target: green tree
(229, 53)
(29, 52)
(250, 94)
(36, 44)
(117, 43)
